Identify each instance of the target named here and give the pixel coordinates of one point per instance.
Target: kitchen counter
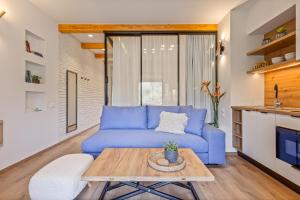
(294, 112)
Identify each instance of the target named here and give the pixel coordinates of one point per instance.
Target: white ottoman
(60, 179)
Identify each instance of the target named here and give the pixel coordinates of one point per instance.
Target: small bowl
(276, 60)
(290, 56)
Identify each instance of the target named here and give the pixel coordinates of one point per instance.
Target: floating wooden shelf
(280, 43)
(275, 67)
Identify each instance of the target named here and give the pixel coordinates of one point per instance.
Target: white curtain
(199, 65)
(160, 70)
(126, 71)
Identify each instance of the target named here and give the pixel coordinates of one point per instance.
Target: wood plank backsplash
(288, 81)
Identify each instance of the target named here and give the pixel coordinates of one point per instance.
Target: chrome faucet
(277, 102)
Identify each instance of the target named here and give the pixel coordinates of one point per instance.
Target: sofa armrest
(216, 144)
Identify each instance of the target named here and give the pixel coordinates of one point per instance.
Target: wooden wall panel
(288, 81)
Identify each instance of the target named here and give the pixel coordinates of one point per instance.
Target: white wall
(262, 11)
(28, 133)
(90, 93)
(25, 133)
(224, 75)
(245, 89)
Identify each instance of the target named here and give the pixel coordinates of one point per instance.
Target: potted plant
(36, 79)
(215, 98)
(281, 31)
(171, 152)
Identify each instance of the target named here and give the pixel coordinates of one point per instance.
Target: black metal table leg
(106, 186)
(113, 187)
(138, 192)
(149, 189)
(193, 191)
(152, 191)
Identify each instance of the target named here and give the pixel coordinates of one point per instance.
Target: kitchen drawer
(287, 121)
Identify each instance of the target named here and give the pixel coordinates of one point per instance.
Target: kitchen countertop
(294, 112)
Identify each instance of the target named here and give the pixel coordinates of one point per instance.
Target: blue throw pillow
(196, 120)
(154, 114)
(114, 117)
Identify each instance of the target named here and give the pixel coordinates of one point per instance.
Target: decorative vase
(171, 156)
(216, 114)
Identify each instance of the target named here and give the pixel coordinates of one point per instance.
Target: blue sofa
(133, 127)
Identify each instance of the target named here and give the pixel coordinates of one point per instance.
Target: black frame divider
(108, 34)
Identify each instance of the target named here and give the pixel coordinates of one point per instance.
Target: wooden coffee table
(129, 166)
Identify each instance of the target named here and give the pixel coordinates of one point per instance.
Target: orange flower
(205, 85)
(215, 96)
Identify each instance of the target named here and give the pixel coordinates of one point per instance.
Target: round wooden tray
(158, 162)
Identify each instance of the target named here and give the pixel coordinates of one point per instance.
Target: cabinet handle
(263, 112)
(295, 116)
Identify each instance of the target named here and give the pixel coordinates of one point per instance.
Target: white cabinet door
(266, 138)
(259, 137)
(249, 136)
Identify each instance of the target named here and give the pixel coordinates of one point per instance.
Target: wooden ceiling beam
(99, 28)
(99, 56)
(92, 45)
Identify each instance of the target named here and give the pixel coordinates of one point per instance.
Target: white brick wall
(90, 93)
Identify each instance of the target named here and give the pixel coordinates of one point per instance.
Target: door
(259, 137)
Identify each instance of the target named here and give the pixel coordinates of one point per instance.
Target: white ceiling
(134, 11)
(137, 11)
(84, 37)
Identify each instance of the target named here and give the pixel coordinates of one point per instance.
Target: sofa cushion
(196, 120)
(172, 122)
(154, 114)
(141, 139)
(114, 117)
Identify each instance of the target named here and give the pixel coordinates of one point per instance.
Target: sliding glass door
(125, 71)
(160, 70)
(142, 70)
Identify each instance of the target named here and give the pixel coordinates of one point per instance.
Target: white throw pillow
(172, 122)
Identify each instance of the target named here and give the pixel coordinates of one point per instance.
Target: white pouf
(60, 179)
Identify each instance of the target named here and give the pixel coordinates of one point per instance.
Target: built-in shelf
(275, 45)
(275, 67)
(35, 94)
(33, 87)
(240, 123)
(35, 101)
(36, 69)
(30, 57)
(237, 129)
